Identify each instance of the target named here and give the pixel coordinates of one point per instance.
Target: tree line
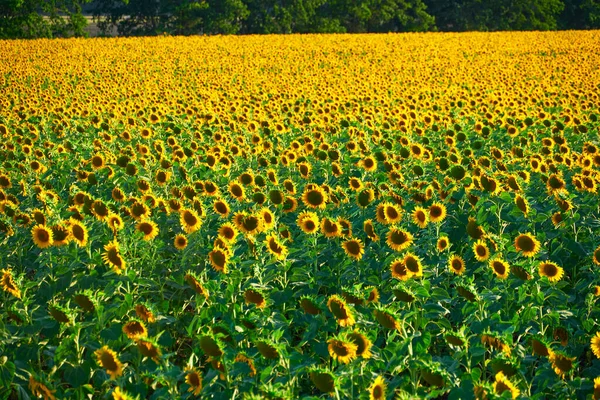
(60, 18)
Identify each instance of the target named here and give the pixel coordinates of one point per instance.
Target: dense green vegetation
(59, 18)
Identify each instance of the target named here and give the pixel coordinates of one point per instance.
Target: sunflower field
(307, 216)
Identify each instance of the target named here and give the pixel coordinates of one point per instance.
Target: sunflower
(8, 284)
(597, 389)
(474, 230)
(355, 184)
(60, 234)
(112, 257)
(555, 184)
(557, 219)
(119, 394)
(456, 264)
(79, 232)
(139, 211)
(100, 210)
(144, 313)
(420, 217)
(399, 239)
(437, 212)
(399, 270)
(180, 242)
(330, 228)
(42, 236)
(340, 311)
(369, 164)
(255, 297)
(561, 363)
(527, 244)
(387, 319)
(135, 330)
(267, 350)
(114, 222)
(268, 218)
(413, 265)
(596, 256)
(346, 226)
(373, 295)
(443, 243)
(276, 248)
(354, 248)
(194, 380)
(85, 301)
(218, 258)
(363, 344)
(522, 204)
(40, 389)
(365, 197)
(377, 389)
(539, 347)
(370, 230)
(315, 197)
(243, 358)
(304, 168)
(149, 348)
(237, 191)
(553, 272)
(189, 220)
(221, 207)
(500, 268)
(342, 350)
(309, 222)
(109, 361)
(481, 250)
(502, 384)
(309, 305)
(148, 228)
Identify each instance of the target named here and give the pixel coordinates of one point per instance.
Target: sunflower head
(315, 197)
(527, 244)
(354, 248)
(309, 305)
(135, 330)
(342, 349)
(552, 271)
(108, 360)
(323, 380)
(340, 311)
(43, 236)
(481, 250)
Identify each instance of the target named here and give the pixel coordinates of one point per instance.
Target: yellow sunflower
(443, 244)
(437, 212)
(180, 242)
(148, 228)
(315, 197)
(42, 236)
(363, 344)
(420, 217)
(189, 220)
(481, 250)
(399, 239)
(135, 330)
(354, 248)
(456, 264)
(108, 360)
(342, 350)
(370, 230)
(308, 222)
(340, 311)
(112, 257)
(228, 232)
(8, 284)
(527, 244)
(500, 268)
(218, 258)
(413, 264)
(377, 389)
(502, 384)
(79, 232)
(553, 272)
(561, 363)
(194, 379)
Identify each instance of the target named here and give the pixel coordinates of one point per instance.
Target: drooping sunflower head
(86, 301)
(135, 330)
(522, 204)
(362, 342)
(108, 360)
(340, 311)
(211, 346)
(370, 230)
(8, 283)
(194, 379)
(309, 305)
(255, 297)
(527, 244)
(330, 228)
(144, 313)
(365, 197)
(561, 363)
(267, 350)
(149, 348)
(221, 207)
(112, 257)
(387, 319)
(503, 384)
(323, 380)
(219, 257)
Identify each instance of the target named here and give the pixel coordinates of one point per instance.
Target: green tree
(580, 14)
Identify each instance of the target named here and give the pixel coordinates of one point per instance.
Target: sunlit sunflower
(144, 313)
(119, 394)
(148, 228)
(139, 211)
(308, 222)
(443, 244)
(135, 330)
(194, 379)
(369, 164)
(370, 230)
(363, 344)
(481, 250)
(387, 319)
(596, 344)
(330, 228)
(373, 295)
(237, 191)
(399, 239)
(8, 284)
(500, 268)
(456, 264)
(112, 257)
(354, 248)
(109, 361)
(149, 348)
(340, 311)
(527, 244)
(596, 256)
(413, 264)
(221, 207)
(420, 217)
(555, 184)
(596, 389)
(502, 384)
(342, 350)
(275, 247)
(189, 220)
(399, 270)
(437, 212)
(557, 219)
(561, 363)
(180, 242)
(355, 184)
(315, 197)
(522, 204)
(553, 272)
(377, 389)
(228, 232)
(346, 226)
(114, 222)
(219, 258)
(42, 236)
(255, 297)
(79, 232)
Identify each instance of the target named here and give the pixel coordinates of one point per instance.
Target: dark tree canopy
(60, 18)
